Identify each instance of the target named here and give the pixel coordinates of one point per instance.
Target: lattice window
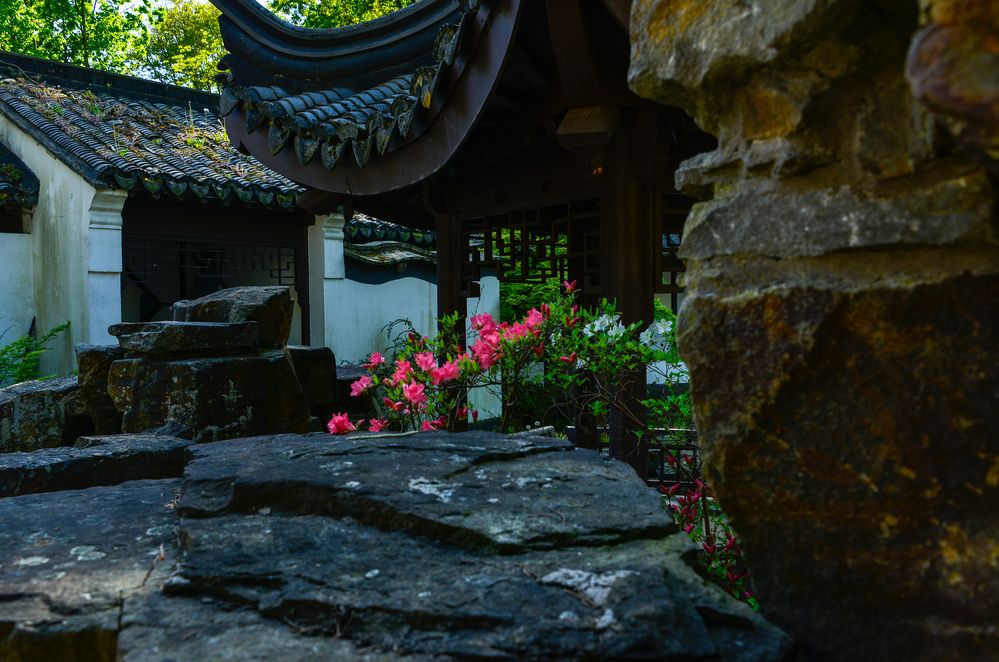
(166, 269)
(534, 244)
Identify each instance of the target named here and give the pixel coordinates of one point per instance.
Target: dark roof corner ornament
(372, 89)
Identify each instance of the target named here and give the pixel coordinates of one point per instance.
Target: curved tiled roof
(18, 185)
(362, 228)
(380, 253)
(369, 117)
(118, 136)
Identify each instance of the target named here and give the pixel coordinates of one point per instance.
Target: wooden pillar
(627, 233)
(450, 296)
(450, 293)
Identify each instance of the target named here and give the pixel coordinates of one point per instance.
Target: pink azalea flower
(446, 373)
(402, 370)
(534, 318)
(394, 406)
(485, 354)
(360, 386)
(414, 392)
(375, 361)
(515, 332)
(340, 424)
(482, 321)
(430, 426)
(426, 361)
(569, 286)
(377, 424)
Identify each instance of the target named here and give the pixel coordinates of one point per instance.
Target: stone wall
(843, 301)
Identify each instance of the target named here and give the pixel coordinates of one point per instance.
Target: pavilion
(474, 118)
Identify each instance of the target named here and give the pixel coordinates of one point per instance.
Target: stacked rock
(221, 368)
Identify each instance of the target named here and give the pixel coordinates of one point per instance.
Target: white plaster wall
(488, 401)
(17, 297)
(356, 312)
(61, 254)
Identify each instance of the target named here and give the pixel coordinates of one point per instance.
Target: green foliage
(103, 34)
(19, 360)
(185, 45)
(517, 298)
(334, 13)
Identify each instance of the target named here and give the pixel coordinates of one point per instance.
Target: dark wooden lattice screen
(534, 244)
(166, 269)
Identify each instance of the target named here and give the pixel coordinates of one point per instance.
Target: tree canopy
(103, 34)
(333, 13)
(185, 45)
(173, 41)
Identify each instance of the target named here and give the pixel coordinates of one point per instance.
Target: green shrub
(19, 360)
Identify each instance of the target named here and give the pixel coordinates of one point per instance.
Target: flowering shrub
(588, 360)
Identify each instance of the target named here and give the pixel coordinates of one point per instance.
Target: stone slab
(94, 461)
(270, 307)
(186, 339)
(480, 490)
(479, 564)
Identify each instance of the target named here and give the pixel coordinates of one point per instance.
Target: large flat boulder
(270, 307)
(470, 546)
(93, 461)
(41, 414)
(374, 548)
(217, 397)
(478, 489)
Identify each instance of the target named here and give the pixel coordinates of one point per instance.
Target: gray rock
(680, 47)
(315, 368)
(952, 207)
(41, 414)
(93, 363)
(218, 398)
(840, 314)
(478, 545)
(270, 307)
(157, 627)
(469, 546)
(93, 461)
(186, 339)
(67, 561)
(482, 490)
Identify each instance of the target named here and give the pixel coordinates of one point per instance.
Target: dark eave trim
(258, 37)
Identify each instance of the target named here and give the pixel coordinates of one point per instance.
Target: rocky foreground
(369, 547)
